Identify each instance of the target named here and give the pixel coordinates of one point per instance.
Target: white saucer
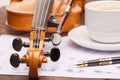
(80, 36)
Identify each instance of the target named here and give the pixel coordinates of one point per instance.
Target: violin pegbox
(17, 44)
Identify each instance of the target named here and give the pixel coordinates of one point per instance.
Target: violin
(36, 55)
(20, 14)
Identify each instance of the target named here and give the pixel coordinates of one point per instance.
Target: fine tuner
(18, 43)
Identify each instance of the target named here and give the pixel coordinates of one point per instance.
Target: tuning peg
(55, 39)
(15, 60)
(17, 44)
(54, 54)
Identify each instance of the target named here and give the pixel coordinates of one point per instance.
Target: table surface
(6, 30)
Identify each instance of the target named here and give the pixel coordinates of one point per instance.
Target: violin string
(44, 16)
(38, 5)
(43, 19)
(46, 13)
(35, 20)
(40, 20)
(40, 14)
(37, 13)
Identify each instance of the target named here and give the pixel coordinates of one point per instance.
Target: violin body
(15, 0)
(20, 15)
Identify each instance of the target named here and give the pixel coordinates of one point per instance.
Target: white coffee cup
(102, 19)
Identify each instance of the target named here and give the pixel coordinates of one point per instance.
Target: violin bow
(65, 15)
(58, 23)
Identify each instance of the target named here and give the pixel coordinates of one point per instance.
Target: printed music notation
(70, 54)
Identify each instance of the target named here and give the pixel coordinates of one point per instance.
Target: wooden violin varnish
(20, 14)
(15, 0)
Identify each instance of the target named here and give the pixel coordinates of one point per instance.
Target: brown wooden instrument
(35, 55)
(15, 0)
(20, 14)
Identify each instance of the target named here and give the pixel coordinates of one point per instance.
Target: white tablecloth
(70, 54)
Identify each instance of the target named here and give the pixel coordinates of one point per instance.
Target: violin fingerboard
(42, 8)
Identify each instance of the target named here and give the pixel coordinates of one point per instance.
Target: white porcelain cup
(102, 19)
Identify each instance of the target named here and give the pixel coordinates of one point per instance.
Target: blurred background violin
(20, 14)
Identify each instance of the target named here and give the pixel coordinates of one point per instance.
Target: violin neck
(42, 8)
(37, 35)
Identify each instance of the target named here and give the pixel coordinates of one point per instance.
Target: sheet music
(70, 54)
